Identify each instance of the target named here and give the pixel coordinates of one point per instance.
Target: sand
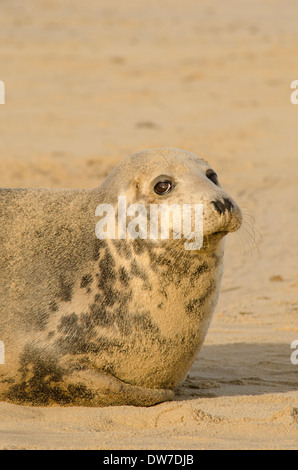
(88, 83)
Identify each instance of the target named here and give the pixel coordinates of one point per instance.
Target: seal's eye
(212, 176)
(163, 187)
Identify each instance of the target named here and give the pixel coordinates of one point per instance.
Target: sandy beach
(86, 85)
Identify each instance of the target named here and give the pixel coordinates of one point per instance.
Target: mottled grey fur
(100, 322)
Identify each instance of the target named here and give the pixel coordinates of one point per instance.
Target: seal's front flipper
(95, 388)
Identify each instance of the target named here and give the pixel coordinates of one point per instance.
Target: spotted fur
(100, 322)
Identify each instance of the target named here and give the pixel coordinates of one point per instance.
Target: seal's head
(174, 176)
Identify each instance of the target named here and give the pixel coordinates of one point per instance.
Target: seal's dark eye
(163, 187)
(212, 176)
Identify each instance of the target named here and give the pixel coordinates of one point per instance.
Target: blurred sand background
(88, 83)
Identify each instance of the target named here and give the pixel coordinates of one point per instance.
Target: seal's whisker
(248, 236)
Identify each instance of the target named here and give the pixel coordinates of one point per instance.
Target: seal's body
(117, 321)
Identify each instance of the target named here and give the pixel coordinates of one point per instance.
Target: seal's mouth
(219, 234)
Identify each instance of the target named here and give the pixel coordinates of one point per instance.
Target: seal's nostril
(219, 206)
(228, 204)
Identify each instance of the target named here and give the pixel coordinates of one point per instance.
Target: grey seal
(96, 322)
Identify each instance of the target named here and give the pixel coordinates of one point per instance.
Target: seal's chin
(213, 240)
(221, 233)
(217, 235)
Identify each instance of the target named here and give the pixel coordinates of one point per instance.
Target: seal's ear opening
(137, 183)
